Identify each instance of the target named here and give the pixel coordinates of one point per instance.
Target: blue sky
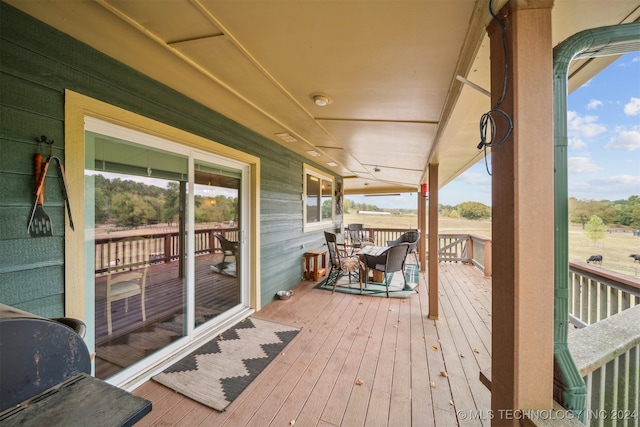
(604, 144)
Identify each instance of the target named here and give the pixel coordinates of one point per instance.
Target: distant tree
(171, 203)
(579, 211)
(474, 210)
(101, 206)
(621, 212)
(326, 209)
(595, 228)
(628, 211)
(453, 214)
(346, 206)
(131, 210)
(445, 208)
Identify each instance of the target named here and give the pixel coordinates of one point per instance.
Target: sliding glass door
(217, 234)
(164, 231)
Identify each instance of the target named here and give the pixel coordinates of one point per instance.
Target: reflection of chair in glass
(411, 237)
(229, 248)
(341, 263)
(390, 261)
(125, 280)
(358, 237)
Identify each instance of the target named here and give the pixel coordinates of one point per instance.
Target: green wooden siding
(37, 64)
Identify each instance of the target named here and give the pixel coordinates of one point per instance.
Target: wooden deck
(363, 361)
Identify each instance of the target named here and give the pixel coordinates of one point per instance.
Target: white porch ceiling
(389, 68)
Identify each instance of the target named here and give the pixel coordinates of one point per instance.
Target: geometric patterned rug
(219, 370)
(397, 288)
(228, 268)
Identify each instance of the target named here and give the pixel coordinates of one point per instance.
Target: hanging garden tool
(39, 222)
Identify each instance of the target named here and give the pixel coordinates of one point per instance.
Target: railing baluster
(615, 380)
(634, 381)
(604, 301)
(614, 306)
(593, 301)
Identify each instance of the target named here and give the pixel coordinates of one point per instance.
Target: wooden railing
(161, 247)
(463, 248)
(607, 354)
(606, 306)
(596, 293)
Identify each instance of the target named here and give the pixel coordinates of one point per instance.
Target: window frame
(323, 223)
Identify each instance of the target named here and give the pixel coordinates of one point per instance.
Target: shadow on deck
(363, 360)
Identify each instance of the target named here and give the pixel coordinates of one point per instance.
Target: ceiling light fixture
(286, 137)
(313, 153)
(321, 100)
(376, 169)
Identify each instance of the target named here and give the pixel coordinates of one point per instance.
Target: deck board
(388, 344)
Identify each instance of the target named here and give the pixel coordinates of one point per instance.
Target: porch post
(433, 241)
(522, 220)
(422, 227)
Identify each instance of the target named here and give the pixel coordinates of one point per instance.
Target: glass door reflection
(217, 240)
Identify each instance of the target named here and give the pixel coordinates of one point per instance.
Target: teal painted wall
(37, 64)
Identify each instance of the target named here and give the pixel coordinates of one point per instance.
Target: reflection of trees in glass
(128, 203)
(132, 210)
(326, 209)
(171, 203)
(215, 209)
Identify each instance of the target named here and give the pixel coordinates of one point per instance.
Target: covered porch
(363, 360)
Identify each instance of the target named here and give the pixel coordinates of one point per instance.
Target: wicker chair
(228, 247)
(390, 261)
(341, 263)
(411, 237)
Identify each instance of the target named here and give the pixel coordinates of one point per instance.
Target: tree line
(622, 212)
(128, 203)
(613, 213)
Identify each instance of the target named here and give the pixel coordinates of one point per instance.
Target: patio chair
(358, 237)
(124, 284)
(389, 262)
(341, 263)
(411, 237)
(229, 248)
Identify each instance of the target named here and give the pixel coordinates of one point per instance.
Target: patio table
(372, 250)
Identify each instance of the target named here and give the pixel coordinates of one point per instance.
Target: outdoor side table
(315, 264)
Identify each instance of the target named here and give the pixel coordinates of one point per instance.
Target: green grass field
(615, 248)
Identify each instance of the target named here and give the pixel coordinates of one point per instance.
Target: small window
(317, 199)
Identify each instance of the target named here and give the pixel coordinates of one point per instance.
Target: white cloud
(581, 165)
(628, 140)
(632, 108)
(475, 178)
(593, 104)
(576, 143)
(616, 186)
(583, 126)
(606, 188)
(623, 180)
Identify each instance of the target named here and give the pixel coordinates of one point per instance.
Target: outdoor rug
(218, 371)
(228, 268)
(396, 285)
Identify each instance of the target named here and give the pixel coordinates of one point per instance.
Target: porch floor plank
(317, 367)
(388, 344)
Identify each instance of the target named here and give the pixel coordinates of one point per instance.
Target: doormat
(219, 370)
(397, 289)
(228, 268)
